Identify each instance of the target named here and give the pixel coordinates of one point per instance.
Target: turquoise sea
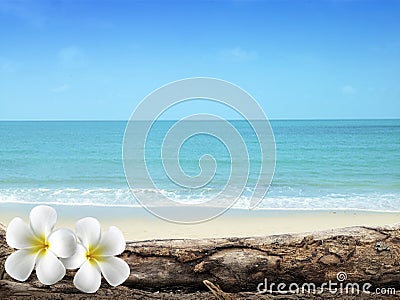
(320, 164)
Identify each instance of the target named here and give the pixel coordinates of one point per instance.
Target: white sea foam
(123, 197)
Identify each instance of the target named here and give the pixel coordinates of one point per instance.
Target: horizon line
(126, 120)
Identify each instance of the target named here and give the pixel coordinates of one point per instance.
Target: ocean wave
(124, 198)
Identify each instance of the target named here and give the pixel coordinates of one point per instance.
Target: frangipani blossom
(95, 256)
(38, 245)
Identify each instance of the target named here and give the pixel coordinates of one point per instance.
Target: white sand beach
(138, 224)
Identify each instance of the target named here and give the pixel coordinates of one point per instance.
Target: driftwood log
(232, 268)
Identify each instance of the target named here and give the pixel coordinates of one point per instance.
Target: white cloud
(348, 89)
(239, 54)
(71, 56)
(60, 89)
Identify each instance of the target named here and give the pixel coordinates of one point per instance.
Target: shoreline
(129, 206)
(138, 224)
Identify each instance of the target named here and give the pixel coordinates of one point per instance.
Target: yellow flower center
(40, 244)
(45, 245)
(93, 254)
(89, 255)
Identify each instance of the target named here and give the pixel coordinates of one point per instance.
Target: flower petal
(114, 270)
(112, 242)
(19, 265)
(76, 260)
(88, 231)
(62, 242)
(88, 278)
(19, 235)
(49, 269)
(42, 220)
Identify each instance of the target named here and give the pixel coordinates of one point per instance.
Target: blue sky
(299, 59)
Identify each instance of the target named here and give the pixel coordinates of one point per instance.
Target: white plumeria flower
(38, 245)
(95, 256)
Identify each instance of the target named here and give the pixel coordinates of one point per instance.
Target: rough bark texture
(231, 268)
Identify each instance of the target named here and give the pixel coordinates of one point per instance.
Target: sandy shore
(138, 224)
